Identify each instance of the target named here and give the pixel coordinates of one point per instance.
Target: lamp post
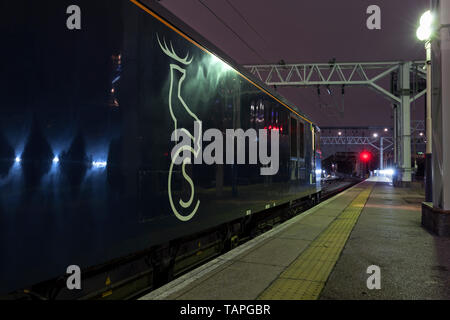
(424, 33)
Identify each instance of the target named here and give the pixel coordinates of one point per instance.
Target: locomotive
(87, 170)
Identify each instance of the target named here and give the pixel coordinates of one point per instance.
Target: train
(92, 95)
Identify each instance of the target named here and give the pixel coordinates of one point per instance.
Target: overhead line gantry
(367, 74)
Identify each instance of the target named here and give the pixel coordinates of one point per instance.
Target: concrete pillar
(395, 135)
(436, 215)
(441, 132)
(405, 124)
(445, 51)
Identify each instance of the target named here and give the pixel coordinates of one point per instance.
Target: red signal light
(365, 156)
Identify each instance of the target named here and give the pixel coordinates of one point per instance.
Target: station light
(421, 134)
(375, 135)
(426, 26)
(423, 33)
(426, 19)
(386, 129)
(387, 172)
(340, 133)
(56, 159)
(18, 159)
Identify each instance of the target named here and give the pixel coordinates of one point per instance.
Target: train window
(293, 138)
(301, 140)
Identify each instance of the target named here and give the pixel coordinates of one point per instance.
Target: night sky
(314, 31)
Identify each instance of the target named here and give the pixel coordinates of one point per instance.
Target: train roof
(170, 20)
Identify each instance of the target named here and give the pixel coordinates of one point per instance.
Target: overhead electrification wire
(234, 32)
(245, 20)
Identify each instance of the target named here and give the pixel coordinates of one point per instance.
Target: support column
(444, 204)
(436, 215)
(429, 135)
(405, 124)
(395, 135)
(381, 153)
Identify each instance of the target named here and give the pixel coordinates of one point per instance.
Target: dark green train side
(86, 118)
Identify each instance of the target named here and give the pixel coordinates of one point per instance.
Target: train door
(297, 159)
(294, 149)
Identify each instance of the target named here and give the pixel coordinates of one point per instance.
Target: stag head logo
(176, 96)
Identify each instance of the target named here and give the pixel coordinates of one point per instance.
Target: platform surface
(324, 253)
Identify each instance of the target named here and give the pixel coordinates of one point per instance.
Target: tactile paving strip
(305, 278)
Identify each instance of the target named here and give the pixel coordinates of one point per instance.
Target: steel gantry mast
(367, 74)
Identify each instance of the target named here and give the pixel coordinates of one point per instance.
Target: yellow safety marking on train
(305, 278)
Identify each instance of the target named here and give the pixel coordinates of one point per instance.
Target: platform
(324, 253)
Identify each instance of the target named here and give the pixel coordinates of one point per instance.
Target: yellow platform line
(305, 277)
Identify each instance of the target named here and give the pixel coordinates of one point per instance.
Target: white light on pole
(426, 26)
(426, 19)
(425, 33)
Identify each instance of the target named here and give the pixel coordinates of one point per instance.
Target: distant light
(386, 129)
(375, 135)
(324, 172)
(318, 171)
(387, 172)
(55, 159)
(421, 134)
(18, 159)
(340, 133)
(99, 164)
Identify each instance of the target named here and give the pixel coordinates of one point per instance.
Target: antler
(171, 53)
